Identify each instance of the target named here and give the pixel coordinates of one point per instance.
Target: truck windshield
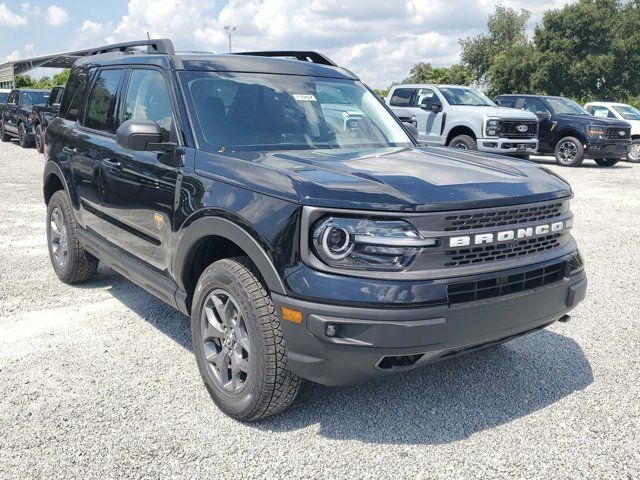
(466, 96)
(627, 112)
(244, 112)
(565, 106)
(34, 98)
(3, 97)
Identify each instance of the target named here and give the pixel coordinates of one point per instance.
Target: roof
(607, 104)
(430, 85)
(530, 95)
(220, 63)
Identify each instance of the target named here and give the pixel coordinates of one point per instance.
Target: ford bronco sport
(280, 204)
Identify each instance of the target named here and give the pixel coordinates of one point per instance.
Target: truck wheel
(22, 136)
(634, 153)
(569, 152)
(464, 142)
(3, 134)
(606, 162)
(238, 342)
(38, 138)
(70, 261)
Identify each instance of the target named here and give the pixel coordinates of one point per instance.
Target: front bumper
(373, 342)
(508, 145)
(607, 149)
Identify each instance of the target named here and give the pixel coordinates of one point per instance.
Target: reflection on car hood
(591, 120)
(394, 179)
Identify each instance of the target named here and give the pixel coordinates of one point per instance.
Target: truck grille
(505, 285)
(613, 133)
(512, 216)
(491, 253)
(510, 129)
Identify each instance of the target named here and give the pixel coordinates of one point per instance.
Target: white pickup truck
(463, 117)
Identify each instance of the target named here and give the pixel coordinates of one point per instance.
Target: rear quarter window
(401, 97)
(73, 96)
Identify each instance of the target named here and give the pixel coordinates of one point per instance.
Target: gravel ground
(99, 381)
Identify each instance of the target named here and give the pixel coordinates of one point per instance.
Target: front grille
(613, 133)
(503, 251)
(510, 129)
(506, 285)
(499, 218)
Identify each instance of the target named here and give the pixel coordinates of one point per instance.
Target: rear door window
(102, 102)
(402, 97)
(506, 102)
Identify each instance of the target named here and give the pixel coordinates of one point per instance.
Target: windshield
(241, 112)
(34, 98)
(466, 96)
(566, 106)
(627, 112)
(3, 97)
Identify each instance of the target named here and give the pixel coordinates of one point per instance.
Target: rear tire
(238, 343)
(4, 136)
(464, 142)
(22, 136)
(634, 155)
(569, 152)
(70, 261)
(38, 138)
(606, 162)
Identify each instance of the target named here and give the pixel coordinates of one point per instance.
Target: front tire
(4, 136)
(464, 142)
(569, 152)
(606, 162)
(38, 138)
(70, 261)
(238, 343)
(634, 154)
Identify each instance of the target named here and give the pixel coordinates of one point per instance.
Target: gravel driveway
(99, 381)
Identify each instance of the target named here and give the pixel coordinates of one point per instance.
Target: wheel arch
(460, 129)
(53, 180)
(209, 239)
(568, 132)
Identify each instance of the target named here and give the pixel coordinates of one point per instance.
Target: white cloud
(56, 16)
(10, 19)
(13, 56)
(91, 27)
(28, 48)
(380, 41)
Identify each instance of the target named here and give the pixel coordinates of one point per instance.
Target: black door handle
(69, 150)
(112, 163)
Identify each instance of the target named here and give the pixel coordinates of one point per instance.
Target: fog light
(331, 330)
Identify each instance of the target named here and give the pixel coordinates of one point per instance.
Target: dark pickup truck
(43, 114)
(16, 116)
(571, 133)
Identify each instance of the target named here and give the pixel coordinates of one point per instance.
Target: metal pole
(229, 29)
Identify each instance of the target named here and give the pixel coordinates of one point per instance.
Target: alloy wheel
(58, 242)
(461, 146)
(634, 154)
(567, 152)
(225, 341)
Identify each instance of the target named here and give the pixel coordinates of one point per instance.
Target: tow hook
(564, 318)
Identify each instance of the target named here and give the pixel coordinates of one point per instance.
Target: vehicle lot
(99, 381)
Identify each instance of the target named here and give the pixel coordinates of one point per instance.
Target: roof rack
(160, 45)
(303, 56)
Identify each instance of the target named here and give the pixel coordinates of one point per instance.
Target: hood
(591, 120)
(501, 112)
(393, 179)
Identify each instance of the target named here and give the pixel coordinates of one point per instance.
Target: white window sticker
(304, 98)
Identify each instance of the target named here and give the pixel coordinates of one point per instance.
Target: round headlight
(336, 242)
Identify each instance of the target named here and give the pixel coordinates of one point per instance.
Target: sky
(378, 40)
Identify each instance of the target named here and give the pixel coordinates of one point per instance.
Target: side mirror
(142, 136)
(436, 107)
(543, 115)
(412, 128)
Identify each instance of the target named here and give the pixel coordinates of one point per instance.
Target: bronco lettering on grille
(507, 235)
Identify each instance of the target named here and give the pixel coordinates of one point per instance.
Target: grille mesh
(505, 285)
(491, 253)
(499, 218)
(613, 133)
(509, 129)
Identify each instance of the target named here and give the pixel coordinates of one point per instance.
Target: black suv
(281, 205)
(16, 116)
(571, 133)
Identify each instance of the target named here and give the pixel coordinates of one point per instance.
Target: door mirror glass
(543, 115)
(436, 107)
(141, 136)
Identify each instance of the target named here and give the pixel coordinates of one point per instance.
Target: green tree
(506, 30)
(425, 73)
(61, 78)
(511, 71)
(23, 81)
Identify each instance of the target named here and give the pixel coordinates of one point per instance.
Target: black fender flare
(52, 169)
(568, 132)
(221, 227)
